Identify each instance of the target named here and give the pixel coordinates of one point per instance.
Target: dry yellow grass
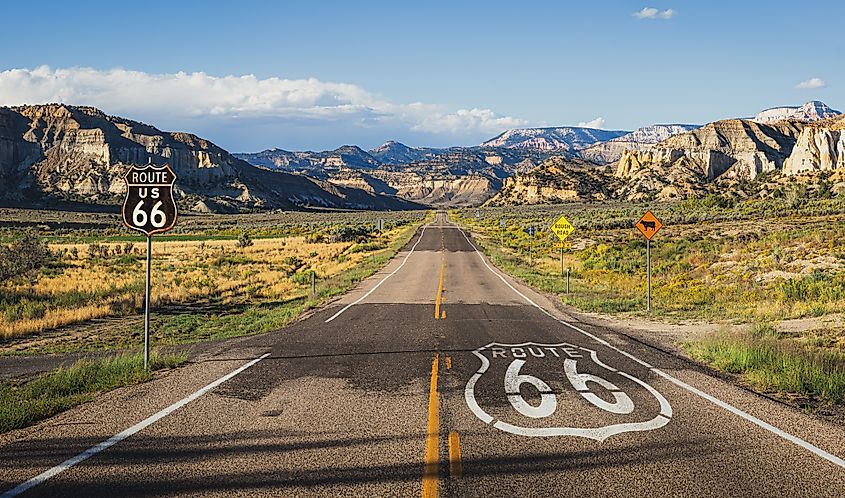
(183, 272)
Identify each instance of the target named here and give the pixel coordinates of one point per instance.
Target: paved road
(439, 376)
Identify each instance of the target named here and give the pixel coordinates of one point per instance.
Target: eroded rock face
(556, 180)
(734, 148)
(817, 149)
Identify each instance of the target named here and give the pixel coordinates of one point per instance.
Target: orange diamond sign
(648, 225)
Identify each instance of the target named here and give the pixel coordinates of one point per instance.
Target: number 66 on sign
(149, 206)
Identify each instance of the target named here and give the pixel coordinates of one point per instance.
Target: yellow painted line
(456, 468)
(432, 445)
(439, 300)
(448, 363)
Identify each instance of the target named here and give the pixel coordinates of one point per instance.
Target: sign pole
(531, 250)
(147, 305)
(568, 272)
(648, 273)
(561, 259)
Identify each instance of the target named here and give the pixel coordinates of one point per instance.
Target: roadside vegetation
(213, 278)
(807, 368)
(24, 404)
(716, 260)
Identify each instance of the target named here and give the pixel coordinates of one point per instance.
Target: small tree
(24, 256)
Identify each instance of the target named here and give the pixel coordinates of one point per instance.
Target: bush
(25, 256)
(244, 240)
(315, 238)
(303, 277)
(348, 233)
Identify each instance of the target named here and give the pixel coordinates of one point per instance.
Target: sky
(299, 75)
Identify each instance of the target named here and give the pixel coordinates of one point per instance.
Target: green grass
(773, 364)
(23, 405)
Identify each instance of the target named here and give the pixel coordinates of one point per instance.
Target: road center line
(726, 406)
(456, 468)
(365, 296)
(439, 297)
(432, 445)
(71, 462)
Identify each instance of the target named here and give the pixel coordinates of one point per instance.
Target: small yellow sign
(562, 228)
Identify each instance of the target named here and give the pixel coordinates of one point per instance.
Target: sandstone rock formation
(556, 180)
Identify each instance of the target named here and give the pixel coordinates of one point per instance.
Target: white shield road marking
(513, 379)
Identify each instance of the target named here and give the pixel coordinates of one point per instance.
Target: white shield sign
(534, 389)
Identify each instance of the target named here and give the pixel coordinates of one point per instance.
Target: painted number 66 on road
(548, 401)
(602, 388)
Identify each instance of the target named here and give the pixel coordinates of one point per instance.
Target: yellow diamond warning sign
(562, 228)
(648, 225)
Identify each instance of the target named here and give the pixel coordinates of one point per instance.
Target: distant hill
(566, 138)
(393, 152)
(811, 111)
(639, 139)
(59, 152)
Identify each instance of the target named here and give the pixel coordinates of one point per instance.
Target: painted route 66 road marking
(600, 390)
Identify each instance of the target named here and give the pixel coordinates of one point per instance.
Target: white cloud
(199, 95)
(811, 84)
(595, 123)
(652, 13)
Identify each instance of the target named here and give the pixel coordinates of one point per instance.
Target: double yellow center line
(431, 470)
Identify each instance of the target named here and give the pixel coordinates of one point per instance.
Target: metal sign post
(147, 303)
(648, 273)
(530, 232)
(501, 233)
(149, 208)
(648, 225)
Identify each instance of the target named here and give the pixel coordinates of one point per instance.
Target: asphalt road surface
(439, 376)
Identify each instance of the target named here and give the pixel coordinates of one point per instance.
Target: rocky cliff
(556, 180)
(819, 147)
(734, 148)
(64, 152)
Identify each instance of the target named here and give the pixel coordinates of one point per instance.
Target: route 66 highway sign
(536, 390)
(149, 206)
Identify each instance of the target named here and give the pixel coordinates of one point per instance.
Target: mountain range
(58, 152)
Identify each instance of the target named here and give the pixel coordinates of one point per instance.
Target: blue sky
(316, 75)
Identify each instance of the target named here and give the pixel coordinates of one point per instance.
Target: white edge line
(365, 296)
(730, 408)
(70, 462)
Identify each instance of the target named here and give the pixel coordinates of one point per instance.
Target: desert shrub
(315, 238)
(24, 256)
(244, 240)
(302, 277)
(350, 233)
